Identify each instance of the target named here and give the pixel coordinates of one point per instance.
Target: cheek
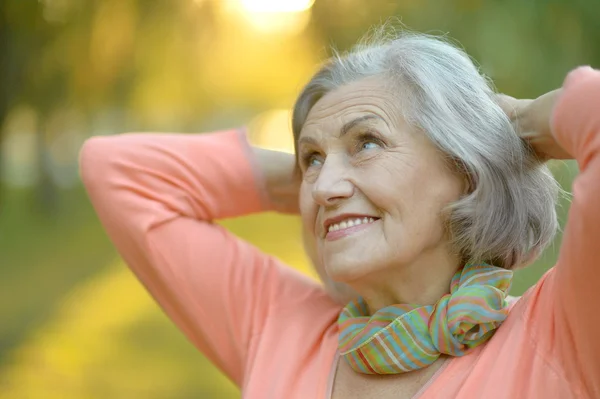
(310, 246)
(446, 187)
(427, 184)
(431, 200)
(412, 191)
(393, 188)
(308, 208)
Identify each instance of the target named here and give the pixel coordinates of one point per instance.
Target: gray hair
(508, 215)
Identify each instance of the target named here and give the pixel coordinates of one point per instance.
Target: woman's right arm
(156, 196)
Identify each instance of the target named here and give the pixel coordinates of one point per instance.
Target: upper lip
(336, 219)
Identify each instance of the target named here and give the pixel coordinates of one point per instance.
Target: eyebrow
(346, 128)
(349, 125)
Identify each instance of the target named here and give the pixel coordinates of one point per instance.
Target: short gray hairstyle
(508, 215)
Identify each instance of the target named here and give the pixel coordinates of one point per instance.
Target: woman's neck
(422, 282)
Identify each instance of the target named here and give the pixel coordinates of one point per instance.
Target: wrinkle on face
(405, 181)
(319, 118)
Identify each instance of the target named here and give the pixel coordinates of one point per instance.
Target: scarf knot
(402, 338)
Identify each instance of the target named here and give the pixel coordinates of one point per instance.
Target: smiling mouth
(350, 222)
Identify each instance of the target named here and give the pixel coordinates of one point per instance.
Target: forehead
(364, 97)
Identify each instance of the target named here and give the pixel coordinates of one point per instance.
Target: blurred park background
(74, 323)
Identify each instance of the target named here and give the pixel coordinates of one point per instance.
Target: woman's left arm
(564, 313)
(575, 124)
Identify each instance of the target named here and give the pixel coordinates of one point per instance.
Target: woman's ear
(467, 178)
(458, 166)
(468, 186)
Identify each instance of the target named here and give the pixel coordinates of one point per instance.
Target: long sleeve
(567, 319)
(157, 195)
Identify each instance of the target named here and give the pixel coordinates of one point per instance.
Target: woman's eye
(368, 141)
(369, 145)
(313, 160)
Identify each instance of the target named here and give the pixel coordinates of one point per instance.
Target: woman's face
(372, 187)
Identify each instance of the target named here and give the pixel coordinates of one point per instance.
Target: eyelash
(306, 158)
(368, 137)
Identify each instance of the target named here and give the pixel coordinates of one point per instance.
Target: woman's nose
(332, 185)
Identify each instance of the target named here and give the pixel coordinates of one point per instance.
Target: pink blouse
(271, 329)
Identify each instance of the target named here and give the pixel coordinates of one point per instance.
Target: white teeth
(350, 223)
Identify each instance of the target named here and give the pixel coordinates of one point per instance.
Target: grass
(108, 339)
(75, 324)
(43, 256)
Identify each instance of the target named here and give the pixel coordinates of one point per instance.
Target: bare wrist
(277, 169)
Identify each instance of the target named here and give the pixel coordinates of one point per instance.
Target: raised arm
(563, 312)
(157, 194)
(576, 282)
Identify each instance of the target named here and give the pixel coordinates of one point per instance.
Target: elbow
(94, 161)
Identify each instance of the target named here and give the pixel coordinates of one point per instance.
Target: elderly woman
(420, 190)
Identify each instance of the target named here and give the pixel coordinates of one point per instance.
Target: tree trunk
(45, 190)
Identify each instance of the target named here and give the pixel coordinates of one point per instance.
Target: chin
(346, 268)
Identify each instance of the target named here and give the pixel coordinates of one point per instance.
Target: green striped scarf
(402, 338)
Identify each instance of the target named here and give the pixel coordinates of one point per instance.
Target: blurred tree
(25, 36)
(5, 70)
(526, 47)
